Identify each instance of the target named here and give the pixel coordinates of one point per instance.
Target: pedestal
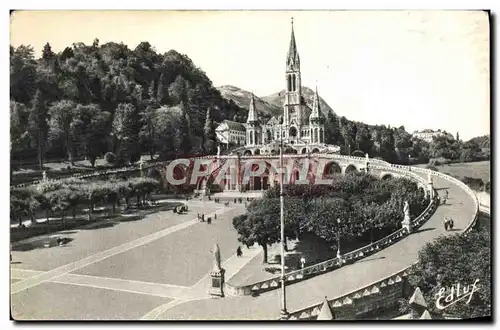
(406, 223)
(217, 283)
(430, 188)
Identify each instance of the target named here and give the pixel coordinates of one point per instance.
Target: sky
(420, 69)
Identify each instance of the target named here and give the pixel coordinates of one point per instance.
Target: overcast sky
(420, 69)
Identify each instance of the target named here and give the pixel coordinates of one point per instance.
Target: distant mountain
(242, 99)
(276, 99)
(271, 105)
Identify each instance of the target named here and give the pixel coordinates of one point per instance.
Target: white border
(187, 4)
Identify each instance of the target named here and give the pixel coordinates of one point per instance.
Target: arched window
(293, 83)
(289, 83)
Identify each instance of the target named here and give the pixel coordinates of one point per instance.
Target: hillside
(276, 99)
(242, 99)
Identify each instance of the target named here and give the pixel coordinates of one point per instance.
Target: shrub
(487, 187)
(110, 158)
(473, 183)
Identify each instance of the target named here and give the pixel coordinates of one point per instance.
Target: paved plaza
(157, 268)
(124, 270)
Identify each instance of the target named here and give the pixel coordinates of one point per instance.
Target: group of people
(448, 224)
(201, 217)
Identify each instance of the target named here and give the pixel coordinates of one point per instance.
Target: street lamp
(338, 238)
(283, 313)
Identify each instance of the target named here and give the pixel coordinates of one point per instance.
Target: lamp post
(283, 312)
(338, 239)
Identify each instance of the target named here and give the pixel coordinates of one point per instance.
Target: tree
(403, 145)
(147, 132)
(209, 137)
(18, 125)
(183, 138)
(39, 125)
(456, 259)
(177, 91)
(61, 117)
(48, 56)
(164, 138)
(126, 128)
(332, 129)
(89, 130)
(363, 140)
(260, 225)
(22, 74)
(387, 151)
(162, 92)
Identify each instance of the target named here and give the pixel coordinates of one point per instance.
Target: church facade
(298, 124)
(300, 127)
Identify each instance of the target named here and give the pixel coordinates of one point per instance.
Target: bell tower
(292, 103)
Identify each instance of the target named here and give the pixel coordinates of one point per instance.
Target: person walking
(446, 224)
(209, 221)
(202, 218)
(451, 224)
(239, 253)
(215, 216)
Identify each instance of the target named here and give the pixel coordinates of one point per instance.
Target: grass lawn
(480, 170)
(31, 172)
(55, 224)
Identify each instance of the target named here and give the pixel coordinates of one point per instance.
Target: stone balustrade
(379, 287)
(349, 257)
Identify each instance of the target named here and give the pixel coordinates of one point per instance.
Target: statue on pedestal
(217, 274)
(44, 176)
(406, 221)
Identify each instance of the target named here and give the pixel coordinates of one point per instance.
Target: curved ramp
(460, 206)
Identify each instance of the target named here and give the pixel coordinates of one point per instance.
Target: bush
(110, 158)
(473, 183)
(487, 187)
(432, 168)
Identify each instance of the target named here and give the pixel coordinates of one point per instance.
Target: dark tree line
(91, 99)
(368, 209)
(396, 145)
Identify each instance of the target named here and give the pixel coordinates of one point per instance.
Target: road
(460, 207)
(157, 268)
(123, 270)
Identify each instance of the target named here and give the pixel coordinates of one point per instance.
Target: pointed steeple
(292, 57)
(316, 110)
(252, 112)
(326, 312)
(426, 315)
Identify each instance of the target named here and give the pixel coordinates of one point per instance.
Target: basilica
(300, 127)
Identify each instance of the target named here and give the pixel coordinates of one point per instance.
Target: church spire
(316, 111)
(252, 112)
(292, 60)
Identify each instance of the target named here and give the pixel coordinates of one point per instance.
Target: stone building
(300, 127)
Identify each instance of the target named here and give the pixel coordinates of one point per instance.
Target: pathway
(460, 207)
